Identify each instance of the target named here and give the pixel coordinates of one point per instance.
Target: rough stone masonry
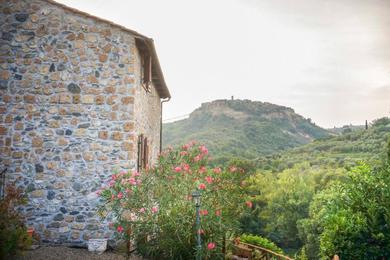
(71, 108)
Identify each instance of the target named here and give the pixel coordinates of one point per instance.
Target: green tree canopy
(351, 219)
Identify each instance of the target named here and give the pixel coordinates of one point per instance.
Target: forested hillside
(338, 151)
(243, 128)
(299, 194)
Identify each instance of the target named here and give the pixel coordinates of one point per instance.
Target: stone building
(81, 97)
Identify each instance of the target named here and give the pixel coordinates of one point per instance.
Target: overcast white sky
(327, 59)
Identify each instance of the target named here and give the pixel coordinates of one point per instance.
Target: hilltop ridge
(243, 128)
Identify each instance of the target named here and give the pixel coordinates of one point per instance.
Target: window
(143, 152)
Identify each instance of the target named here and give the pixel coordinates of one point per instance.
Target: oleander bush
(154, 208)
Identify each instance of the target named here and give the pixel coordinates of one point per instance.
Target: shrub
(13, 233)
(155, 208)
(261, 242)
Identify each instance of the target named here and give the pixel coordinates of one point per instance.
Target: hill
(345, 150)
(243, 128)
(345, 129)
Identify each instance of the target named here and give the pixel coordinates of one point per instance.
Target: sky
(329, 60)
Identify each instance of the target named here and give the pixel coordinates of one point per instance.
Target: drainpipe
(161, 123)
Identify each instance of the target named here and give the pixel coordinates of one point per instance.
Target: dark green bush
(13, 233)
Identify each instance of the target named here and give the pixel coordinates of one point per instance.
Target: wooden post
(129, 242)
(224, 245)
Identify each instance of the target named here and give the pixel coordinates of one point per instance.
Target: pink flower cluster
(217, 170)
(203, 150)
(209, 179)
(203, 212)
(120, 229)
(202, 186)
(211, 246)
(202, 169)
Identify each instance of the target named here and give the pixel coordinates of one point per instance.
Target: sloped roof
(157, 74)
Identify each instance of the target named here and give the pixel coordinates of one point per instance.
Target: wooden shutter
(146, 153)
(140, 152)
(147, 67)
(143, 152)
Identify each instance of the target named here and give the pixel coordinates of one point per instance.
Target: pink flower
(218, 212)
(177, 169)
(120, 195)
(135, 174)
(186, 146)
(197, 158)
(114, 177)
(154, 209)
(233, 169)
(112, 196)
(200, 231)
(202, 169)
(183, 153)
(249, 204)
(209, 179)
(211, 246)
(119, 229)
(142, 210)
(98, 192)
(132, 181)
(203, 149)
(111, 183)
(123, 172)
(202, 186)
(186, 167)
(203, 212)
(217, 170)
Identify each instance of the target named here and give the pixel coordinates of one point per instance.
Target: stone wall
(68, 85)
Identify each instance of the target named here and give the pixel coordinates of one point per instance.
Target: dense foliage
(155, 208)
(352, 218)
(13, 233)
(243, 128)
(283, 199)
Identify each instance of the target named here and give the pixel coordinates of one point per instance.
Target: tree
(351, 219)
(283, 199)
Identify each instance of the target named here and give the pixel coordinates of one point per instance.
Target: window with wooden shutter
(146, 68)
(146, 153)
(143, 152)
